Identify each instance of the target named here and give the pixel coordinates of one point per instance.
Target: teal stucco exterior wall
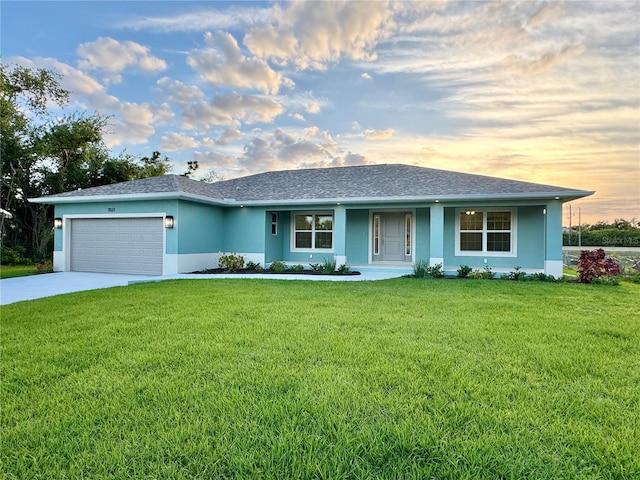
(357, 241)
(244, 230)
(199, 227)
(530, 242)
(422, 222)
(209, 229)
(168, 207)
(273, 242)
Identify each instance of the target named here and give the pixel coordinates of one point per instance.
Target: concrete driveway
(47, 285)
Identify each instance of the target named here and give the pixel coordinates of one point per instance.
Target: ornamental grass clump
(420, 269)
(594, 266)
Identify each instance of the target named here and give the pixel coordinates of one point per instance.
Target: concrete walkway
(39, 286)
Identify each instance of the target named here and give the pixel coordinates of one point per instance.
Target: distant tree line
(619, 233)
(43, 154)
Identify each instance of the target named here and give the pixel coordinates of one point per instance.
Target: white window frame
(484, 252)
(313, 232)
(274, 223)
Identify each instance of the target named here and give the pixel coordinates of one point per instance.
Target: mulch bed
(244, 271)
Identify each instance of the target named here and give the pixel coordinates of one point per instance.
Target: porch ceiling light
(168, 221)
(470, 212)
(57, 222)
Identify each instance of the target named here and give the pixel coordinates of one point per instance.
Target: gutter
(563, 196)
(53, 200)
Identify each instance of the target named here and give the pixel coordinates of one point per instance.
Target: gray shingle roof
(339, 183)
(151, 185)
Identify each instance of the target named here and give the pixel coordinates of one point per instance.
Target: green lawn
(10, 271)
(445, 379)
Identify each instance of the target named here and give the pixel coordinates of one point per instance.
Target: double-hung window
(486, 232)
(312, 231)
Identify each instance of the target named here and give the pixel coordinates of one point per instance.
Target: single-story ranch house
(371, 216)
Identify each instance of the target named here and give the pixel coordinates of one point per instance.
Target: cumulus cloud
(133, 123)
(173, 141)
(162, 113)
(229, 135)
(85, 90)
(231, 109)
(350, 159)
(281, 149)
(313, 34)
(313, 108)
(213, 160)
(379, 134)
(270, 42)
(179, 93)
(223, 63)
(366, 76)
(111, 56)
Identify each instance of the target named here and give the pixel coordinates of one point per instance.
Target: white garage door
(117, 245)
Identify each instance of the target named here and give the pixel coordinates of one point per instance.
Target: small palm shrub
(253, 266)
(517, 274)
(344, 269)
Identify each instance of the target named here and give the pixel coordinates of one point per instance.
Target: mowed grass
(271, 379)
(11, 271)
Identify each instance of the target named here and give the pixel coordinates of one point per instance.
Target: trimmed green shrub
(277, 266)
(435, 271)
(464, 271)
(231, 262)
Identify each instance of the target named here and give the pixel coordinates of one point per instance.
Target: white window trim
(313, 231)
(484, 252)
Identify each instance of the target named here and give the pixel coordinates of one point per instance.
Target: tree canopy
(44, 155)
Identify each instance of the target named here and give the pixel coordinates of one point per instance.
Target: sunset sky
(546, 92)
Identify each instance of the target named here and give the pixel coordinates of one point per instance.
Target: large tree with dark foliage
(43, 155)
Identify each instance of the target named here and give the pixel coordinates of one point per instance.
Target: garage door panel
(117, 245)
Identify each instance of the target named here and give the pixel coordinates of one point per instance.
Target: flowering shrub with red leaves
(593, 264)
